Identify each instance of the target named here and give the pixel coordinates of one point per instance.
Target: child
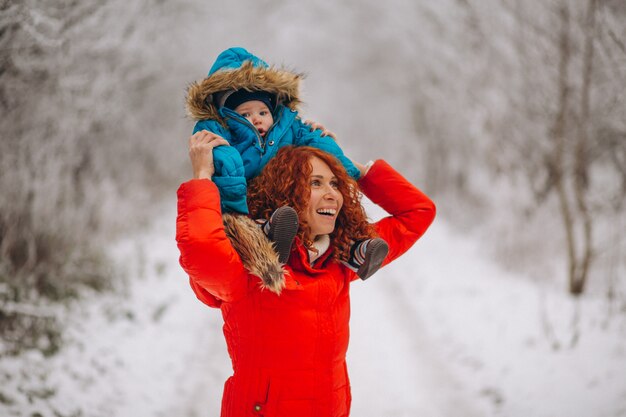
(254, 108)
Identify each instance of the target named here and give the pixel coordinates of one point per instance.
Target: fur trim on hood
(201, 94)
(256, 251)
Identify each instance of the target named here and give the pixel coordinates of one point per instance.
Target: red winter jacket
(288, 352)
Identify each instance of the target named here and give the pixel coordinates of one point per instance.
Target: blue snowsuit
(236, 69)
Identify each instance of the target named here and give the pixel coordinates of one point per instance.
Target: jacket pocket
(282, 401)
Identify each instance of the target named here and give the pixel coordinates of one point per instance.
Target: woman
(288, 351)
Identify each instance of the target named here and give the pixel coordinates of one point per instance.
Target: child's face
(257, 113)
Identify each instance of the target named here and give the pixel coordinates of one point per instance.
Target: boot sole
(283, 231)
(375, 254)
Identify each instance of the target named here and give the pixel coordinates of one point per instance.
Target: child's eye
(263, 113)
(245, 115)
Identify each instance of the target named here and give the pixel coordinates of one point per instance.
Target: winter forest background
(510, 114)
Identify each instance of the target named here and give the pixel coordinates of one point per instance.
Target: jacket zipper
(258, 136)
(274, 124)
(256, 132)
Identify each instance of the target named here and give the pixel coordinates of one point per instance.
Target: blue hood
(236, 69)
(233, 58)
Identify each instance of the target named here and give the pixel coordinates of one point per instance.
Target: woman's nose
(331, 192)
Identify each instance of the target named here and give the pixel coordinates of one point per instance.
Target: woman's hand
(315, 126)
(361, 167)
(201, 146)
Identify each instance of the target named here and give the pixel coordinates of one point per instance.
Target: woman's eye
(315, 183)
(334, 184)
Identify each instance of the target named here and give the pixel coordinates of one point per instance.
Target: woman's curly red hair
(284, 181)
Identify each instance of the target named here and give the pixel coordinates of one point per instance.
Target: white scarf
(322, 243)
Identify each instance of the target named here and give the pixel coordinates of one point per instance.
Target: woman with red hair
(288, 345)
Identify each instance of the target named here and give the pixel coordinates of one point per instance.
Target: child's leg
(367, 256)
(281, 229)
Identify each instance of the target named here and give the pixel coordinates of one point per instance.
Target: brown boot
(281, 229)
(367, 256)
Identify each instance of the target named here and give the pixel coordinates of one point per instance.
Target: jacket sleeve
(229, 170)
(412, 212)
(215, 270)
(304, 137)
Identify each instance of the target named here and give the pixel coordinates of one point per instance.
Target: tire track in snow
(394, 364)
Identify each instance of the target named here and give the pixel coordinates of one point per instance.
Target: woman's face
(325, 202)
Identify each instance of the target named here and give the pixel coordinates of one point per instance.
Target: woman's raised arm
(206, 254)
(412, 211)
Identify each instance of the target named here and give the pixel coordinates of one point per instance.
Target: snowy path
(441, 332)
(395, 368)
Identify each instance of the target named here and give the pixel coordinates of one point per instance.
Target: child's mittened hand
(315, 126)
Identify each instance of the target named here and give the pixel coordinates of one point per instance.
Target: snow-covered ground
(441, 332)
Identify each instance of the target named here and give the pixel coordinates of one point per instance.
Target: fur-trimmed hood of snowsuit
(237, 69)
